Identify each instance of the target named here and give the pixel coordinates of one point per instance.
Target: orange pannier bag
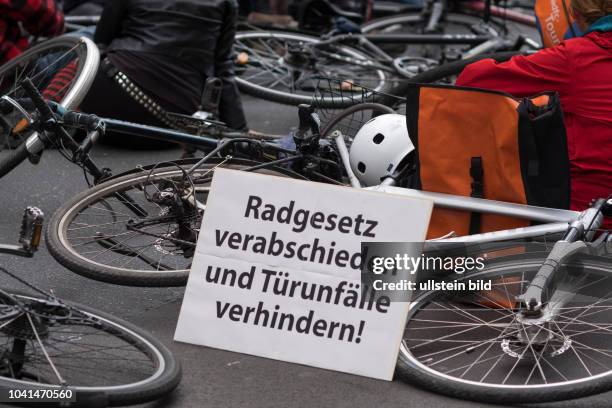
(486, 144)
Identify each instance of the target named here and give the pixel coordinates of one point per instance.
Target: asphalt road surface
(212, 378)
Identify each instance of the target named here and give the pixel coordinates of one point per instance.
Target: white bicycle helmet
(379, 147)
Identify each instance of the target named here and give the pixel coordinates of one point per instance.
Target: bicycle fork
(542, 287)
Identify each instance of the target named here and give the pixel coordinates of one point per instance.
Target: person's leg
(106, 99)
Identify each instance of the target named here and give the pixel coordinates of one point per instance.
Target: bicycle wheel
(415, 23)
(51, 344)
(286, 68)
(62, 69)
(350, 120)
(135, 230)
(476, 344)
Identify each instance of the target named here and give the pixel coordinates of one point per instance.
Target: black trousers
(108, 100)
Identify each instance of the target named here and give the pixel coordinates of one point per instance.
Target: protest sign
(277, 272)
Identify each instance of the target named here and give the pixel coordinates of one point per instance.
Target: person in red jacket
(20, 19)
(580, 70)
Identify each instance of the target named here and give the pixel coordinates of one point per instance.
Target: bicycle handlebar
(89, 122)
(37, 99)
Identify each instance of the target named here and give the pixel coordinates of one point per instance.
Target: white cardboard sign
(276, 272)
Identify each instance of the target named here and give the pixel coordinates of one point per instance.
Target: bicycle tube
(440, 72)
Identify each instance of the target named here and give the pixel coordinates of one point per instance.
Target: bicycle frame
(556, 221)
(487, 42)
(481, 43)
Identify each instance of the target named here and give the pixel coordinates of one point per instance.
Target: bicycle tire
(87, 68)
(88, 61)
(288, 98)
(438, 73)
(349, 131)
(128, 394)
(410, 369)
(60, 247)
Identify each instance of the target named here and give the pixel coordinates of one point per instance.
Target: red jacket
(37, 17)
(580, 70)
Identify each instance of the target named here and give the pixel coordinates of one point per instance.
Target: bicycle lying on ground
(546, 343)
(73, 352)
(283, 67)
(76, 58)
(549, 342)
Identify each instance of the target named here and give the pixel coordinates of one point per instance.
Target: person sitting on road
(158, 55)
(580, 70)
(20, 20)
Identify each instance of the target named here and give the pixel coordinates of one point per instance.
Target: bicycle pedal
(31, 228)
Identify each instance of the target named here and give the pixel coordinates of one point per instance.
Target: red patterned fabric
(61, 82)
(20, 19)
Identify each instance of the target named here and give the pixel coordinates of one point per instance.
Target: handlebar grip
(72, 118)
(37, 99)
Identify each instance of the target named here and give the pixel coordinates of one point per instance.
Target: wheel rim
(81, 347)
(268, 69)
(154, 248)
(508, 354)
